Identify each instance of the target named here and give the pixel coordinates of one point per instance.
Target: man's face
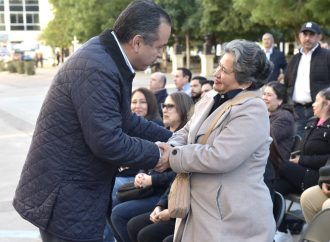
(146, 53)
(196, 88)
(180, 80)
(308, 40)
(155, 83)
(206, 88)
(267, 41)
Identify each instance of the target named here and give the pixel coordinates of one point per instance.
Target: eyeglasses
(167, 106)
(221, 68)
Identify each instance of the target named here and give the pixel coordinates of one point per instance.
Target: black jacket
(315, 148)
(84, 132)
(319, 72)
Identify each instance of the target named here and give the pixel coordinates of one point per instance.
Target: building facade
(21, 23)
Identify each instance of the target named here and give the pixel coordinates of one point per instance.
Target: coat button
(174, 152)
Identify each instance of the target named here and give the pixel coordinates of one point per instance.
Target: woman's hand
(326, 189)
(295, 159)
(142, 180)
(154, 216)
(164, 215)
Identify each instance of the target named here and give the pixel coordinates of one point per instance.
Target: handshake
(163, 162)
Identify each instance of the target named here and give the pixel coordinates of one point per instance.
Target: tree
(186, 15)
(83, 19)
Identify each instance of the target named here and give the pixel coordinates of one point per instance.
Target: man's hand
(163, 162)
(142, 180)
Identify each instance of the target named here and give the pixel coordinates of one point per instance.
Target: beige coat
(229, 199)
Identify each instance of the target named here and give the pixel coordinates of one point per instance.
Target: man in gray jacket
(85, 129)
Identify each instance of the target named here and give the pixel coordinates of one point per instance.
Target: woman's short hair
(153, 111)
(184, 106)
(251, 63)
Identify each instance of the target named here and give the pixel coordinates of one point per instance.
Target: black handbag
(128, 192)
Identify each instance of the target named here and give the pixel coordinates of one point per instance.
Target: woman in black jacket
(302, 170)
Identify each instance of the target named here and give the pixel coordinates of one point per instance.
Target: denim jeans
(303, 115)
(123, 212)
(108, 234)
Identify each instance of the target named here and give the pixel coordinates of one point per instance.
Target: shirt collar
(311, 51)
(229, 95)
(124, 54)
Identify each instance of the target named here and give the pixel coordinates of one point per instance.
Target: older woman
(229, 199)
(280, 116)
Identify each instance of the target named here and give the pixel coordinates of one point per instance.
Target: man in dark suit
(275, 56)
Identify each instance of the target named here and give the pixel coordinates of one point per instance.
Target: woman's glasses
(167, 106)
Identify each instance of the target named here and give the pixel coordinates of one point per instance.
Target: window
(31, 5)
(32, 21)
(2, 21)
(16, 21)
(15, 5)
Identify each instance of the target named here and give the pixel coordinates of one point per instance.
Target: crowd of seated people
(143, 103)
(176, 110)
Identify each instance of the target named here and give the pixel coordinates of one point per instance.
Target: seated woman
(176, 109)
(280, 116)
(154, 226)
(143, 103)
(316, 198)
(302, 170)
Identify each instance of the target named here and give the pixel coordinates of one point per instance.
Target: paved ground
(21, 97)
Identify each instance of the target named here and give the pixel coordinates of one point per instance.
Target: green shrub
(11, 66)
(2, 66)
(29, 67)
(20, 67)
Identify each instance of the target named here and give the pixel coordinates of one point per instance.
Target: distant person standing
(86, 130)
(182, 80)
(196, 87)
(308, 72)
(207, 86)
(58, 57)
(275, 56)
(157, 85)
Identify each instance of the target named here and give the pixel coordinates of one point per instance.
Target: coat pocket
(218, 202)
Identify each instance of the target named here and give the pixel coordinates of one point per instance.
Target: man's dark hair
(185, 72)
(141, 17)
(201, 79)
(209, 82)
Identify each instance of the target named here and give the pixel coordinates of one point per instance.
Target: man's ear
(136, 42)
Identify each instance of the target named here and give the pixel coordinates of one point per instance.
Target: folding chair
(318, 230)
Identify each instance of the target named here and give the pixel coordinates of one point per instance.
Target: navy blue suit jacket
(278, 59)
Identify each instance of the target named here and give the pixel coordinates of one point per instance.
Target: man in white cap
(308, 72)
